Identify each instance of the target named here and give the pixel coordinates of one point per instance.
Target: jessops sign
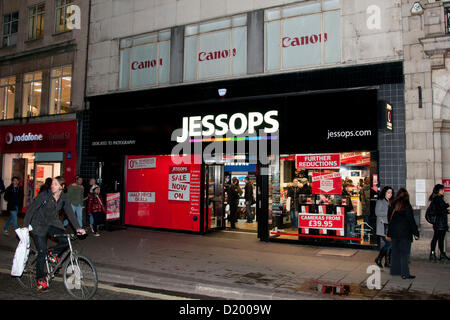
(222, 124)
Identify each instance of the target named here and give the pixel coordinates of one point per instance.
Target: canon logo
(216, 55)
(220, 125)
(9, 138)
(302, 41)
(147, 64)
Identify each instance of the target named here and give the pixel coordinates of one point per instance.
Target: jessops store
(337, 133)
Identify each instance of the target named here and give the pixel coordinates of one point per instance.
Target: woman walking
(96, 209)
(402, 227)
(440, 227)
(381, 211)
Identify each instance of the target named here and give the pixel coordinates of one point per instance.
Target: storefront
(273, 130)
(38, 151)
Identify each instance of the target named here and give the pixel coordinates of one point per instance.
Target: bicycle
(79, 274)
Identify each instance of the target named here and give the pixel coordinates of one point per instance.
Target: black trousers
(439, 236)
(41, 247)
(233, 213)
(401, 249)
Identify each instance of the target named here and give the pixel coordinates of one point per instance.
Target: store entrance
(220, 204)
(44, 170)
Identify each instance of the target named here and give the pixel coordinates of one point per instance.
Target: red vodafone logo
(9, 138)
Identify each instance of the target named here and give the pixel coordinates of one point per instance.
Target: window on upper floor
(36, 15)
(7, 97)
(32, 90)
(10, 28)
(60, 90)
(447, 17)
(61, 15)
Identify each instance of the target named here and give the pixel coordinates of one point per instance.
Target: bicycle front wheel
(28, 277)
(80, 277)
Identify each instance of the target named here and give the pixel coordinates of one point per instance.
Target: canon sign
(9, 138)
(220, 125)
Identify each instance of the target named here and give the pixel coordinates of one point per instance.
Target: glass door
(214, 197)
(44, 170)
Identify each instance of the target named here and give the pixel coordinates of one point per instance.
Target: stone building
(146, 55)
(42, 87)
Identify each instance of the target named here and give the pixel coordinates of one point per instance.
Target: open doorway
(218, 180)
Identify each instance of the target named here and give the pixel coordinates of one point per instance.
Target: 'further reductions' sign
(318, 161)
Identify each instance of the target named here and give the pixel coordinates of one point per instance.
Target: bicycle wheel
(28, 277)
(80, 277)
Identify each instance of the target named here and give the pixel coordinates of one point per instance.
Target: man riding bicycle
(43, 215)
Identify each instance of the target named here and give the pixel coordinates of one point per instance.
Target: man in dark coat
(234, 193)
(248, 198)
(14, 197)
(293, 193)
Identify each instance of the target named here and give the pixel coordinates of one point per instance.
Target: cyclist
(43, 215)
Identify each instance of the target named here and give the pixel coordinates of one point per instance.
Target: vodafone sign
(10, 138)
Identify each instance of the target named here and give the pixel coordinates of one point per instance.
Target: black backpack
(430, 215)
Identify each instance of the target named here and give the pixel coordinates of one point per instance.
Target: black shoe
(387, 259)
(432, 256)
(408, 277)
(380, 257)
(443, 256)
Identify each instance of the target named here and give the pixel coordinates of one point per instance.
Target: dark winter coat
(249, 192)
(402, 224)
(42, 216)
(294, 193)
(9, 197)
(95, 204)
(440, 209)
(234, 193)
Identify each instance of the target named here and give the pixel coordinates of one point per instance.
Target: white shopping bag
(288, 204)
(22, 251)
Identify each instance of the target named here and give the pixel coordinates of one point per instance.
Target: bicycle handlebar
(71, 235)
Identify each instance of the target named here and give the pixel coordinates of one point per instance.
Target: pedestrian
(92, 184)
(294, 193)
(96, 209)
(2, 186)
(89, 190)
(75, 192)
(249, 200)
(43, 216)
(440, 227)
(381, 211)
(365, 199)
(14, 195)
(234, 193)
(46, 186)
(402, 228)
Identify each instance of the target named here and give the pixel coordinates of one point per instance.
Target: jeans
(401, 249)
(79, 213)
(41, 247)
(350, 224)
(98, 219)
(294, 218)
(13, 219)
(249, 212)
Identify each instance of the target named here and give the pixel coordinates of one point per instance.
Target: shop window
(302, 35)
(36, 15)
(7, 97)
(60, 90)
(145, 60)
(32, 90)
(10, 28)
(216, 49)
(61, 15)
(326, 198)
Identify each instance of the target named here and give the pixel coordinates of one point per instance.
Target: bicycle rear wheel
(80, 277)
(28, 278)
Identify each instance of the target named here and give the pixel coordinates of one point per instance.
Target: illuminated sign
(388, 117)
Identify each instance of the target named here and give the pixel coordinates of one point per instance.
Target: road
(11, 290)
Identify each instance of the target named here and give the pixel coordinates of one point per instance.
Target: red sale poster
(161, 193)
(112, 206)
(326, 183)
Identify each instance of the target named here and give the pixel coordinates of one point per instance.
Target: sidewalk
(230, 265)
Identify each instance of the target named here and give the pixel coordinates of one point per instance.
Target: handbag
(386, 227)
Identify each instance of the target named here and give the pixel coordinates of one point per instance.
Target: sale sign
(179, 183)
(321, 221)
(326, 183)
(318, 161)
(112, 206)
(147, 197)
(446, 183)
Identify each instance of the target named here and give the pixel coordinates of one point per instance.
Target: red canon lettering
(139, 65)
(287, 42)
(216, 55)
